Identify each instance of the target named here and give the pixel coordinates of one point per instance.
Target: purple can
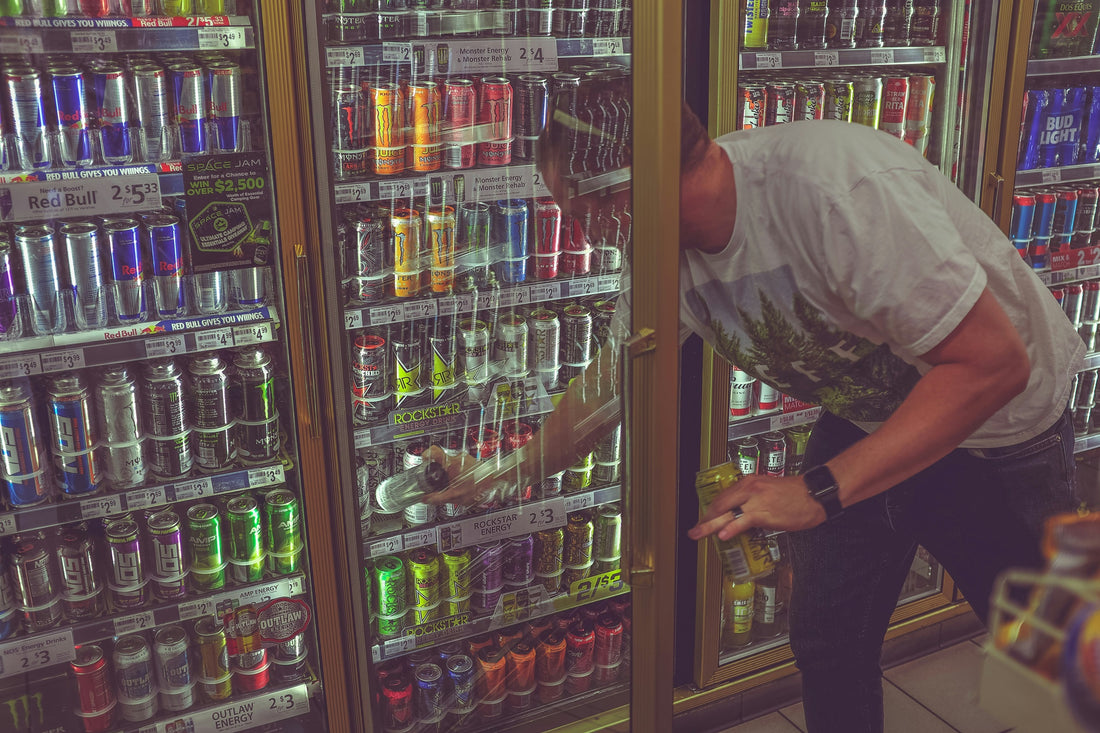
(127, 576)
(509, 229)
(166, 246)
(489, 566)
(112, 113)
(168, 555)
(189, 105)
(519, 566)
(1036, 102)
(127, 268)
(72, 117)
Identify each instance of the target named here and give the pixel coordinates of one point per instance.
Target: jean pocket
(1038, 479)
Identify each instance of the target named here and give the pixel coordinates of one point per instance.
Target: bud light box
(1064, 28)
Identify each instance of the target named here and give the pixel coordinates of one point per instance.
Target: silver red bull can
(26, 113)
(112, 113)
(152, 110)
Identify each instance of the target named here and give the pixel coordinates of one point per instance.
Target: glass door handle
(309, 355)
(996, 183)
(637, 569)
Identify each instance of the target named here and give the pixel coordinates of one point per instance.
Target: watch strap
(823, 487)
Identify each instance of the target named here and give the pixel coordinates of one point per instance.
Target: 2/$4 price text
(68, 197)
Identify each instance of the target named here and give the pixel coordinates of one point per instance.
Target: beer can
(779, 108)
(94, 688)
(473, 351)
(283, 531)
(1090, 309)
(405, 224)
(81, 588)
(748, 455)
(83, 253)
(577, 545)
(754, 35)
(459, 116)
(371, 379)
(214, 677)
(246, 547)
(135, 678)
(798, 438)
(205, 544)
(774, 453)
(767, 397)
(173, 666)
(867, 100)
(895, 98)
(752, 102)
(742, 385)
(809, 100)
(258, 439)
(21, 465)
(168, 555)
(441, 234)
(1073, 302)
(118, 408)
(40, 259)
(211, 413)
(1087, 197)
(918, 111)
(73, 435)
(839, 95)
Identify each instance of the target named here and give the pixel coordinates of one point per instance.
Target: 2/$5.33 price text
(77, 195)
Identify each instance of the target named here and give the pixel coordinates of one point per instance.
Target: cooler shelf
(109, 35)
(771, 422)
(240, 713)
(754, 60)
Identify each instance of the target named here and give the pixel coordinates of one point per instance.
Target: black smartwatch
(823, 487)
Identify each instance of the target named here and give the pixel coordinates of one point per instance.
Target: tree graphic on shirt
(815, 362)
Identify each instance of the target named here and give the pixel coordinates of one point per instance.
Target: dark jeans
(976, 515)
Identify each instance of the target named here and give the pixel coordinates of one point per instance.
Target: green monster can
(204, 531)
(283, 532)
(389, 586)
(246, 545)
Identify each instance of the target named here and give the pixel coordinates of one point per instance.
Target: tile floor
(937, 693)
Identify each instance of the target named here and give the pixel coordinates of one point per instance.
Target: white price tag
(21, 365)
(383, 314)
(101, 506)
(506, 523)
(221, 38)
(198, 607)
(826, 58)
(267, 476)
(60, 361)
(252, 333)
(396, 53)
(884, 56)
(351, 193)
(26, 655)
(249, 713)
(577, 502)
(7, 524)
(582, 286)
(769, 60)
(20, 42)
(402, 189)
(1051, 175)
(345, 56)
(607, 47)
(196, 489)
(38, 200)
(608, 284)
(544, 292)
(419, 309)
(164, 346)
(216, 338)
(515, 296)
(420, 538)
(398, 646)
(353, 319)
(790, 419)
(145, 498)
(134, 622)
(264, 593)
(541, 54)
(362, 438)
(388, 546)
(94, 41)
(934, 55)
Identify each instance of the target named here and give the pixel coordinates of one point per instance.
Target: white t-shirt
(850, 257)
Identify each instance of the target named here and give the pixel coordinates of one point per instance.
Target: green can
(424, 572)
(210, 7)
(283, 532)
(579, 476)
(176, 8)
(607, 539)
(797, 438)
(389, 586)
(11, 8)
(49, 8)
(456, 566)
(204, 537)
(246, 542)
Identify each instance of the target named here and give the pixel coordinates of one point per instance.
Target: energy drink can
(405, 224)
(371, 380)
(26, 113)
(1086, 216)
(408, 380)
(73, 435)
(211, 414)
(81, 586)
(424, 571)
(495, 119)
(576, 341)
(388, 106)
(577, 547)
(398, 707)
(473, 351)
(258, 438)
(510, 350)
(112, 113)
(350, 132)
(607, 534)
(36, 586)
(369, 283)
(459, 114)
(128, 585)
(127, 268)
(215, 679)
(188, 105)
(510, 228)
(21, 466)
(474, 226)
(389, 586)
(152, 110)
(424, 113)
(205, 544)
(168, 554)
(135, 678)
(532, 108)
(283, 532)
(166, 245)
(441, 234)
(163, 393)
(1023, 214)
(547, 233)
(444, 358)
(173, 665)
(94, 688)
(41, 266)
(83, 253)
(518, 569)
(545, 340)
(7, 286)
(119, 411)
(223, 80)
(246, 547)
(73, 118)
(1065, 218)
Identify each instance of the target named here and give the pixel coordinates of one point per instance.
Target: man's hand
(760, 501)
(473, 482)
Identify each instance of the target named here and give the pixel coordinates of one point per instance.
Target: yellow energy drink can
(746, 556)
(406, 252)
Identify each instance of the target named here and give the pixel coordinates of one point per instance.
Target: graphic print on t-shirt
(764, 326)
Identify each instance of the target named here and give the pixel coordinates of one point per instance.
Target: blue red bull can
(1065, 218)
(70, 108)
(127, 268)
(112, 113)
(1042, 225)
(1023, 213)
(20, 452)
(166, 247)
(510, 232)
(188, 105)
(223, 81)
(1031, 130)
(72, 435)
(27, 116)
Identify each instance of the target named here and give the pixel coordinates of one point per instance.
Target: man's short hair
(693, 140)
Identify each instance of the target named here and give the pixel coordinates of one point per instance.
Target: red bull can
(127, 268)
(152, 110)
(112, 113)
(223, 81)
(72, 116)
(39, 253)
(27, 116)
(166, 245)
(189, 105)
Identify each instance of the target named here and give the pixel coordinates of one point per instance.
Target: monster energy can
(510, 346)
(211, 417)
(283, 532)
(205, 541)
(246, 547)
(119, 411)
(258, 416)
(163, 391)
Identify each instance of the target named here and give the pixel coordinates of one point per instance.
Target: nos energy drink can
(72, 435)
(71, 111)
(166, 246)
(20, 451)
(112, 113)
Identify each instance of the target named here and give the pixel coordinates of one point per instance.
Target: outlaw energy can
(135, 678)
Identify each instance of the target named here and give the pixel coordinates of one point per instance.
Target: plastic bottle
(409, 487)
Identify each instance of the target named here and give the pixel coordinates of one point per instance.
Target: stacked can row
(1081, 303)
(85, 274)
(72, 112)
(1086, 419)
(513, 670)
(124, 8)
(127, 563)
(457, 585)
(110, 429)
(386, 126)
(774, 453)
(1053, 219)
(178, 670)
(1060, 125)
(360, 21)
(789, 25)
(899, 105)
